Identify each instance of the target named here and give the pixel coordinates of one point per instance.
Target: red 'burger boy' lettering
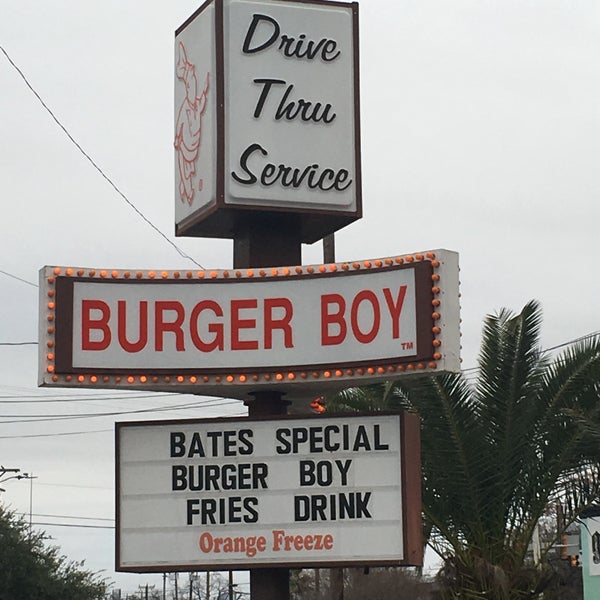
(247, 324)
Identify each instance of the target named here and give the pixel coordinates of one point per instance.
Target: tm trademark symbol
(407, 345)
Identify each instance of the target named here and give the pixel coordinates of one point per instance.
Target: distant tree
(193, 586)
(30, 569)
(375, 584)
(147, 592)
(498, 448)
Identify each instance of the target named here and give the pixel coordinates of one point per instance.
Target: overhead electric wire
(470, 371)
(70, 433)
(73, 517)
(465, 370)
(73, 485)
(16, 276)
(94, 164)
(38, 523)
(83, 398)
(78, 392)
(12, 419)
(59, 434)
(579, 339)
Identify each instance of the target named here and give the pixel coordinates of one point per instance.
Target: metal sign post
(268, 243)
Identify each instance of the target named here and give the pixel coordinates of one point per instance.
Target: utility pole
(4, 471)
(6, 474)
(31, 478)
(231, 585)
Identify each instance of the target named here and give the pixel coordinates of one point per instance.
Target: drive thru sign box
(267, 116)
(239, 493)
(299, 330)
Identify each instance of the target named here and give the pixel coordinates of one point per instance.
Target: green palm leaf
(496, 453)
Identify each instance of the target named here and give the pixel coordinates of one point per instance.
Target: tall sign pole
(268, 243)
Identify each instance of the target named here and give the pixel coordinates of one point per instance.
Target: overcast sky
(481, 134)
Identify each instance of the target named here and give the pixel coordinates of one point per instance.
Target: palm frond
(452, 448)
(525, 434)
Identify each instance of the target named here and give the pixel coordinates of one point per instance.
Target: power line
(73, 517)
(582, 338)
(579, 339)
(94, 164)
(60, 434)
(45, 418)
(17, 277)
(73, 525)
(82, 398)
(75, 485)
(68, 433)
(465, 370)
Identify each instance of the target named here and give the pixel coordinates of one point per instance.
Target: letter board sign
(232, 332)
(267, 116)
(241, 493)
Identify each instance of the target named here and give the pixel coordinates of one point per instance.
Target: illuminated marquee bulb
(317, 405)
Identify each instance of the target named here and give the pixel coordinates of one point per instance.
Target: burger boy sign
(266, 115)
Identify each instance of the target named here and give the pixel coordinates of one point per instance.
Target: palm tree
(498, 451)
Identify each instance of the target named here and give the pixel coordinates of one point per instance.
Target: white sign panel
(242, 493)
(234, 332)
(290, 104)
(277, 323)
(592, 539)
(195, 139)
(267, 112)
